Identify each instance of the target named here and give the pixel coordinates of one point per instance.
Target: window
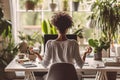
(29, 21)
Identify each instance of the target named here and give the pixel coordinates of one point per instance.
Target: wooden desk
(90, 66)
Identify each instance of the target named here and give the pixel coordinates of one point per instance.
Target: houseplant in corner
(106, 13)
(8, 50)
(99, 45)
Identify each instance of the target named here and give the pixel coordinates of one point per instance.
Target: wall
(6, 8)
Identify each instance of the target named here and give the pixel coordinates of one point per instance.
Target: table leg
(29, 76)
(101, 75)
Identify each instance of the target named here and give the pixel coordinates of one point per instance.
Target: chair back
(62, 71)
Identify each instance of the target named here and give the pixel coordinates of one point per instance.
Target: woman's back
(62, 51)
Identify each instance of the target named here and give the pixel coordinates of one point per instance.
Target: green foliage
(31, 39)
(22, 36)
(4, 26)
(9, 49)
(48, 28)
(38, 1)
(77, 0)
(100, 44)
(107, 16)
(79, 33)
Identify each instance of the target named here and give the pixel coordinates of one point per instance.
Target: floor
(20, 73)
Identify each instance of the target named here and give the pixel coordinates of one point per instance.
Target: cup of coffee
(21, 56)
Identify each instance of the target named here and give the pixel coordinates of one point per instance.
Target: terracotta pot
(29, 5)
(53, 6)
(32, 57)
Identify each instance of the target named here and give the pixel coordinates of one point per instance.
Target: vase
(98, 55)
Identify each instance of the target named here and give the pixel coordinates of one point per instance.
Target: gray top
(62, 51)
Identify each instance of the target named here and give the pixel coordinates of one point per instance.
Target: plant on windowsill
(48, 28)
(39, 4)
(31, 4)
(75, 4)
(99, 45)
(106, 13)
(53, 5)
(65, 5)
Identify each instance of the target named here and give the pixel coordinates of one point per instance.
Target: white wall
(6, 8)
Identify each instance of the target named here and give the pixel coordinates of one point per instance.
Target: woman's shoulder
(49, 41)
(72, 40)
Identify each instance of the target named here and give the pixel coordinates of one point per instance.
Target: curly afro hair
(62, 21)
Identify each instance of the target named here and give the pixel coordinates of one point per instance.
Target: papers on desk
(97, 64)
(111, 62)
(28, 64)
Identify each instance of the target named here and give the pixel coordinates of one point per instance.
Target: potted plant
(48, 28)
(75, 4)
(29, 40)
(7, 49)
(39, 4)
(79, 33)
(99, 45)
(65, 5)
(106, 13)
(53, 5)
(29, 5)
(23, 44)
